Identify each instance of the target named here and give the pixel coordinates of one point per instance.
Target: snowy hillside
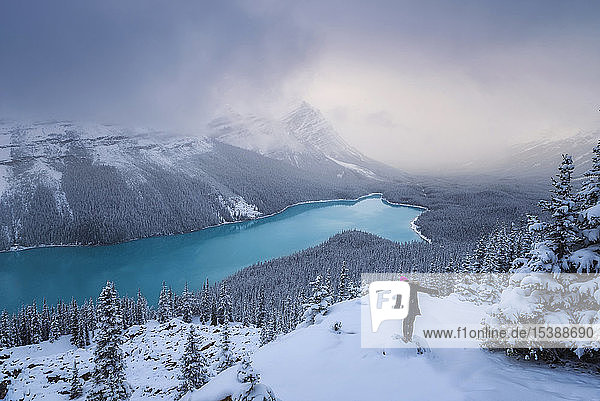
(152, 352)
(321, 364)
(134, 183)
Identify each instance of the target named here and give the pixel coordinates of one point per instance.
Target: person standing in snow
(413, 307)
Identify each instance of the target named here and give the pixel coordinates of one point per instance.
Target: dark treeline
(281, 286)
(464, 209)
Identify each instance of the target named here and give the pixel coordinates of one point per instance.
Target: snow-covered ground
(316, 363)
(240, 209)
(152, 353)
(313, 363)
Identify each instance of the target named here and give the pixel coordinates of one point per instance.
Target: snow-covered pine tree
(108, 377)
(35, 328)
(246, 372)
(193, 365)
(226, 357)
(76, 390)
(589, 196)
(141, 309)
(561, 232)
(45, 320)
(268, 331)
(318, 304)
(327, 281)
(82, 339)
(344, 290)
(252, 389)
(54, 328)
(186, 304)
(205, 304)
(164, 312)
(74, 323)
(172, 302)
(225, 304)
(91, 317)
(260, 310)
(5, 335)
(556, 298)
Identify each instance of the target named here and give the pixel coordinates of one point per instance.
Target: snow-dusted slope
(313, 363)
(49, 145)
(303, 138)
(310, 127)
(316, 363)
(152, 353)
(72, 183)
(267, 137)
(541, 158)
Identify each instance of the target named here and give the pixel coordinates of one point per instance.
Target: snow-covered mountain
(541, 158)
(71, 183)
(303, 138)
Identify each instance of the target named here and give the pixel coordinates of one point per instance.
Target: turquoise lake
(213, 253)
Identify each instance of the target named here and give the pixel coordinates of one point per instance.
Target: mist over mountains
(63, 182)
(537, 159)
(71, 183)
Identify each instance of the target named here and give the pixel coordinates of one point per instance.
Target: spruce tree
(344, 291)
(246, 372)
(76, 390)
(45, 320)
(205, 306)
(193, 365)
(226, 358)
(141, 308)
(35, 328)
(267, 332)
(164, 312)
(589, 195)
(109, 366)
(5, 332)
(561, 231)
(225, 304)
(54, 328)
(318, 304)
(260, 310)
(186, 306)
(74, 324)
(252, 389)
(90, 318)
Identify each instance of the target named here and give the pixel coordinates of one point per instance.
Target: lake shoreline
(413, 224)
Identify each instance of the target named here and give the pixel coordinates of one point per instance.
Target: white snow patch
(315, 363)
(361, 170)
(238, 208)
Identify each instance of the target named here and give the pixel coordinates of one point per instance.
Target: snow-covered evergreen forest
(280, 295)
(67, 183)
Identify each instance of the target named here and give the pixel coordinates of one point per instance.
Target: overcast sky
(421, 84)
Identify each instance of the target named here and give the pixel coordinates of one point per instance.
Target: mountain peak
(310, 127)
